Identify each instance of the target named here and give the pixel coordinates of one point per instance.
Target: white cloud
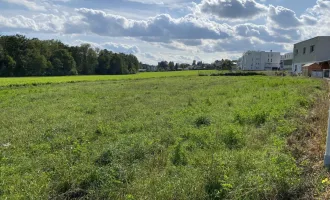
(233, 9)
(241, 44)
(261, 32)
(121, 48)
(111, 46)
(286, 18)
(162, 27)
(26, 3)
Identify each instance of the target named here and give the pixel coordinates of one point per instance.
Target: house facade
(286, 61)
(315, 50)
(260, 60)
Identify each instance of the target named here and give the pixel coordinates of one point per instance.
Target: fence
(326, 73)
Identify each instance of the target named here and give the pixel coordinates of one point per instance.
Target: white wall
(321, 45)
(288, 57)
(260, 60)
(297, 67)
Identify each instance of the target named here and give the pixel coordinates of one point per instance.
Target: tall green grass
(65, 79)
(172, 138)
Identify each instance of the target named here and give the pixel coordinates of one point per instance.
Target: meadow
(26, 81)
(186, 137)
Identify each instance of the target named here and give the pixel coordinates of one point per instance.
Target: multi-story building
(315, 50)
(260, 60)
(239, 63)
(286, 61)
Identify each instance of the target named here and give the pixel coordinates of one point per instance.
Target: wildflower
(325, 181)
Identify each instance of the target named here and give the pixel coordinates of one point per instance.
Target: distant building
(239, 63)
(315, 50)
(260, 60)
(286, 61)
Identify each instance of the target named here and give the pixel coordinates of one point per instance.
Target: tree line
(21, 56)
(218, 65)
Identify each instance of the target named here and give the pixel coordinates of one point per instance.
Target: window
(312, 48)
(268, 59)
(296, 52)
(304, 50)
(271, 60)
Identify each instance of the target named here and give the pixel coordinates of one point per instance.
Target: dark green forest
(21, 56)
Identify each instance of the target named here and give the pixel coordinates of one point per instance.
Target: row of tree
(20, 56)
(170, 66)
(218, 65)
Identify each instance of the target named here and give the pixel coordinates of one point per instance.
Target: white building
(286, 61)
(260, 60)
(315, 50)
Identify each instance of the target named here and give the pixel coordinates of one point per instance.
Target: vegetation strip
(26, 81)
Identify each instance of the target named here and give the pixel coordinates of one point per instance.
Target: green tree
(226, 65)
(163, 66)
(91, 61)
(104, 60)
(36, 64)
(68, 66)
(20, 56)
(116, 64)
(177, 66)
(171, 66)
(7, 66)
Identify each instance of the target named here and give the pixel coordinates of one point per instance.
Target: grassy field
(25, 81)
(188, 137)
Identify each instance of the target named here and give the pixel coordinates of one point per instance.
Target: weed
(179, 157)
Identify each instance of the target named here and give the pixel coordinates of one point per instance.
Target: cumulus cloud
(121, 48)
(19, 22)
(111, 46)
(286, 18)
(37, 23)
(27, 3)
(320, 7)
(233, 9)
(261, 32)
(162, 27)
(149, 56)
(241, 44)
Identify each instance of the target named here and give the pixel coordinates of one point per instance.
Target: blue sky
(173, 30)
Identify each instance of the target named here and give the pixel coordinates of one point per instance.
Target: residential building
(239, 63)
(260, 60)
(286, 61)
(315, 50)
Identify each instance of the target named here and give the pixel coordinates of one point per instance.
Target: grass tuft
(202, 121)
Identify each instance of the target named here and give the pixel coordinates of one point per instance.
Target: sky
(172, 30)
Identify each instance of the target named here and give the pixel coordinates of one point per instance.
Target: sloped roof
(309, 64)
